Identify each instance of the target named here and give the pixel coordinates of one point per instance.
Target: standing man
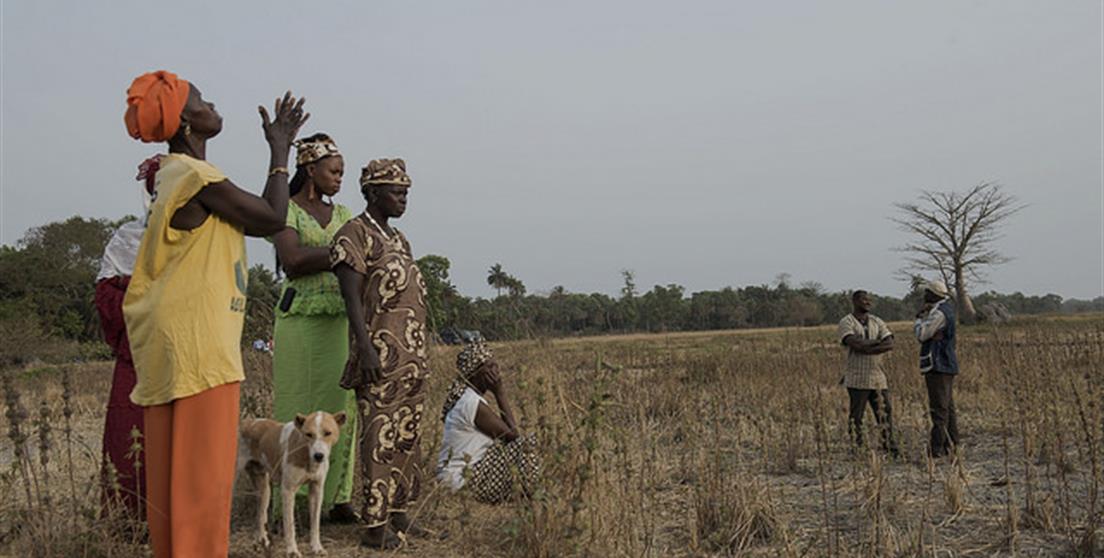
(935, 329)
(866, 338)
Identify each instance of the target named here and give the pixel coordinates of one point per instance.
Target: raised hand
(281, 131)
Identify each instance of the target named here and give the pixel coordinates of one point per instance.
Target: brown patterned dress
(391, 410)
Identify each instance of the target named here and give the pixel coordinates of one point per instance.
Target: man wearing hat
(935, 329)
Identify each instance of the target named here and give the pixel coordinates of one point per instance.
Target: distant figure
(479, 447)
(867, 338)
(185, 308)
(123, 488)
(935, 329)
(385, 299)
(311, 329)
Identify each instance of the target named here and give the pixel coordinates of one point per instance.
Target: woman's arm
(502, 426)
(351, 284)
(262, 215)
(296, 259)
(499, 392)
(492, 425)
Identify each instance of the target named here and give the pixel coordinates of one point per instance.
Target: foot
(342, 514)
(402, 524)
(317, 550)
(380, 538)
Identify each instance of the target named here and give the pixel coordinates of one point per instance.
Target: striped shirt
(864, 371)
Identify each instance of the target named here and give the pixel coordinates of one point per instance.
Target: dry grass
(719, 443)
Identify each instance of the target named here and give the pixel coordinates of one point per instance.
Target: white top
(463, 444)
(121, 251)
(926, 327)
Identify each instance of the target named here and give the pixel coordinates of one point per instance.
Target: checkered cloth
(492, 478)
(864, 371)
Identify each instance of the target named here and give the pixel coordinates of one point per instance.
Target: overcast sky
(707, 144)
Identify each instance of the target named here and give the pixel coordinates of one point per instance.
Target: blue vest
(941, 352)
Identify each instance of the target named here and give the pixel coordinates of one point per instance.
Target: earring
(187, 129)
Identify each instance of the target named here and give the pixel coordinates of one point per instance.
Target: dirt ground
(711, 444)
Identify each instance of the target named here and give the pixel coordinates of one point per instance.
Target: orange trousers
(191, 450)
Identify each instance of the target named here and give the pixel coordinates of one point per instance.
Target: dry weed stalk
(722, 444)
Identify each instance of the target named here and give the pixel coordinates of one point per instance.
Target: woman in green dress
(311, 338)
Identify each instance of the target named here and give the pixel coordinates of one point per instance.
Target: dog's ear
(300, 420)
(340, 418)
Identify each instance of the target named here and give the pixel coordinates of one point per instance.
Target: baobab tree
(954, 235)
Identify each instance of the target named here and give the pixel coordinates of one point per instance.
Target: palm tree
(497, 278)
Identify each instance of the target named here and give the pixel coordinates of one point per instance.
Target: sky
(708, 144)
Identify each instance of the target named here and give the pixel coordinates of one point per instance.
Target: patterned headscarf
(468, 361)
(155, 101)
(380, 172)
(307, 152)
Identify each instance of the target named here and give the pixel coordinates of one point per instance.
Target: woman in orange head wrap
(184, 308)
(154, 104)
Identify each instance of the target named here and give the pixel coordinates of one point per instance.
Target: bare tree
(954, 235)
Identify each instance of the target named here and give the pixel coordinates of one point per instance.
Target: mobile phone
(285, 303)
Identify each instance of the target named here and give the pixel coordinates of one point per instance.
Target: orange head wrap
(154, 103)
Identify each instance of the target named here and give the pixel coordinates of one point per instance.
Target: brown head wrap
(307, 152)
(155, 101)
(380, 172)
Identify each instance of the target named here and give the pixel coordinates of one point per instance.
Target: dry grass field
(696, 444)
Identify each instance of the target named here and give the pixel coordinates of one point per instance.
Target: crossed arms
(869, 346)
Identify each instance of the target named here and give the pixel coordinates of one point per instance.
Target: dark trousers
(944, 432)
(883, 415)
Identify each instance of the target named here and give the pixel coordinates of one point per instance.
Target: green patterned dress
(310, 347)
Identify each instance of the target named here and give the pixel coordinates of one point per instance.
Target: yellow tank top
(185, 306)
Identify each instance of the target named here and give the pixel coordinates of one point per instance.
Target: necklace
(378, 227)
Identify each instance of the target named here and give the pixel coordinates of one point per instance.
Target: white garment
(463, 444)
(121, 251)
(925, 328)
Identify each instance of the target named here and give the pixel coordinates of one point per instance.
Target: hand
(924, 309)
(279, 133)
(369, 362)
(494, 379)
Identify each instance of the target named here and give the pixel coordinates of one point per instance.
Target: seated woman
(476, 439)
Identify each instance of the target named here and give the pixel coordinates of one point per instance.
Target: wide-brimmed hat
(937, 287)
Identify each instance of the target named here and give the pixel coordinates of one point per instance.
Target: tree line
(47, 285)
(513, 314)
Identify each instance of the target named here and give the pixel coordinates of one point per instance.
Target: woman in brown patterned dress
(385, 299)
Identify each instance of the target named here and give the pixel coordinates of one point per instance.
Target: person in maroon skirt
(123, 486)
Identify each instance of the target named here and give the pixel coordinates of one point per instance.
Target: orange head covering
(154, 103)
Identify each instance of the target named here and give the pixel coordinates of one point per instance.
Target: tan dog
(297, 453)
